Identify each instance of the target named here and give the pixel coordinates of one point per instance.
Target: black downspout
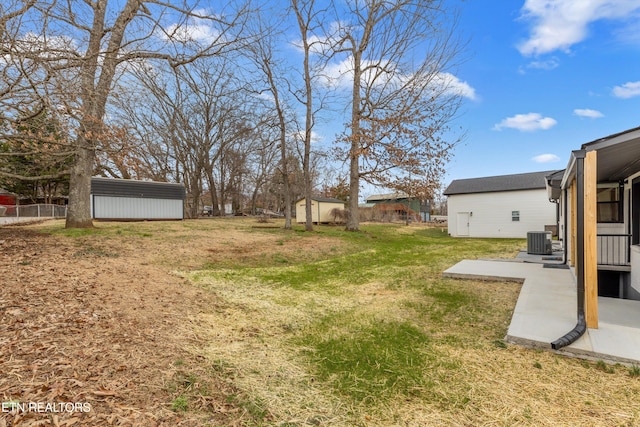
(581, 325)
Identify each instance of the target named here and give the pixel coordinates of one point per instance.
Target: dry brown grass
(164, 310)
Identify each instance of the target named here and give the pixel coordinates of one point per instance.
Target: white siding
(490, 213)
(107, 207)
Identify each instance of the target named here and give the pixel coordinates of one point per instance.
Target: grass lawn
(364, 330)
(332, 328)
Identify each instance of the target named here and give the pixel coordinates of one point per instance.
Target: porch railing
(614, 249)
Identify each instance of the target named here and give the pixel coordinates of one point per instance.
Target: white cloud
(299, 136)
(586, 112)
(549, 64)
(526, 122)
(197, 28)
(629, 34)
(320, 43)
(546, 158)
(191, 32)
(455, 85)
(627, 90)
(559, 24)
(340, 75)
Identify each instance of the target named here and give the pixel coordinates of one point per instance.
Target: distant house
(320, 209)
(128, 199)
(400, 205)
(500, 206)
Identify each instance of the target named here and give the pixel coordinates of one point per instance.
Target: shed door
(463, 223)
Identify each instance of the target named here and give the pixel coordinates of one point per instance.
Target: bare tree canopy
(78, 49)
(228, 100)
(398, 54)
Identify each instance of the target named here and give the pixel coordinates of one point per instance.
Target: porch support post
(573, 194)
(590, 240)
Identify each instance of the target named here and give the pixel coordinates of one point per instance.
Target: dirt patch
(107, 331)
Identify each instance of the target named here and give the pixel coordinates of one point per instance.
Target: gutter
(581, 325)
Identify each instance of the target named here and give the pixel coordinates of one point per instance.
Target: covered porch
(599, 199)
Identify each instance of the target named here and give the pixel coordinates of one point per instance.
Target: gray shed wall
(108, 207)
(136, 200)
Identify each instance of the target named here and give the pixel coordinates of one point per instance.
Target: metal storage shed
(320, 209)
(128, 199)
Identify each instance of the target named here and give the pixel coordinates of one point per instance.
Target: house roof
(387, 196)
(618, 155)
(554, 184)
(491, 184)
(324, 200)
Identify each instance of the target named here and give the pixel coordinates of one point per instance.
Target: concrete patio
(547, 305)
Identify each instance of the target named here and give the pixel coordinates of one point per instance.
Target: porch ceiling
(618, 156)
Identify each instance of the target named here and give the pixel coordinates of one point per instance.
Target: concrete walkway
(547, 306)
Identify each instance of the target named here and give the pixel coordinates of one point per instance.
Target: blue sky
(548, 76)
(541, 77)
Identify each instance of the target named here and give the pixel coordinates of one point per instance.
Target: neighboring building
(399, 205)
(8, 202)
(500, 206)
(127, 199)
(7, 198)
(320, 209)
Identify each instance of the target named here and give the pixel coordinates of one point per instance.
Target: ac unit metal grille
(539, 243)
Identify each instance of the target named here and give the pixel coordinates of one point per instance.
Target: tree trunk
(213, 191)
(79, 211)
(353, 219)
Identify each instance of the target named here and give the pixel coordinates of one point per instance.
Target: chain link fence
(34, 211)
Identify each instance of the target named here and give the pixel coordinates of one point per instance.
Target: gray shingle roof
(489, 184)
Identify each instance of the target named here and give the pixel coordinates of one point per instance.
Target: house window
(609, 203)
(515, 215)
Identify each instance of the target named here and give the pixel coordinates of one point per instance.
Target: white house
(500, 206)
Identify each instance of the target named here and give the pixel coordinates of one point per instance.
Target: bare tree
(273, 83)
(262, 162)
(401, 94)
(139, 148)
(102, 38)
(34, 127)
(34, 156)
(203, 118)
(309, 17)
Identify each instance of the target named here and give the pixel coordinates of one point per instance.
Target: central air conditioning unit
(539, 243)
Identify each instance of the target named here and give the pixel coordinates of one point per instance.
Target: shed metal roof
(490, 184)
(132, 188)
